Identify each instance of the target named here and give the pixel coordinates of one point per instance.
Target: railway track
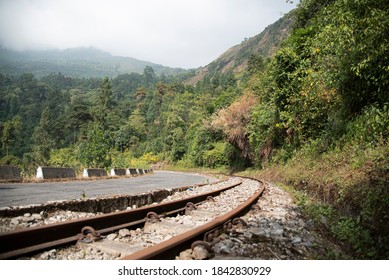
(158, 231)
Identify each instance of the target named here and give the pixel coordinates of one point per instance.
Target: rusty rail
(171, 248)
(26, 241)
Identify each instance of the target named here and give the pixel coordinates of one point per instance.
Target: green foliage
(10, 131)
(77, 63)
(345, 189)
(332, 66)
(255, 64)
(199, 140)
(11, 160)
(218, 156)
(43, 138)
(348, 229)
(308, 10)
(95, 151)
(137, 124)
(371, 127)
(150, 158)
(121, 159)
(317, 106)
(354, 51)
(264, 131)
(104, 104)
(65, 157)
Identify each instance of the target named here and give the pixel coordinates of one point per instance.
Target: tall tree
(149, 76)
(95, 151)
(43, 141)
(10, 129)
(104, 104)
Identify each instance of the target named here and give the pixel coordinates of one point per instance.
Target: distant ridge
(235, 59)
(92, 62)
(75, 62)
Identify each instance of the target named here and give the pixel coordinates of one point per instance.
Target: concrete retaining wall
(8, 172)
(55, 173)
(94, 172)
(105, 204)
(118, 172)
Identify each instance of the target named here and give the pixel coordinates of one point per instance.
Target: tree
(78, 116)
(10, 132)
(104, 103)
(308, 9)
(43, 141)
(255, 64)
(155, 103)
(95, 151)
(149, 76)
(137, 122)
(232, 121)
(354, 50)
(175, 122)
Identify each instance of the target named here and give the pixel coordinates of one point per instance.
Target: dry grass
(352, 181)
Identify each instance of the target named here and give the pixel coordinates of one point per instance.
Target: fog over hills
(75, 62)
(92, 62)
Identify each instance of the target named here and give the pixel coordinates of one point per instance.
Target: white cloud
(179, 33)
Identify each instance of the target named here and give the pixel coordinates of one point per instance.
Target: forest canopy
(331, 69)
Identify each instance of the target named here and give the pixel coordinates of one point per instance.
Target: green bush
(349, 230)
(371, 127)
(121, 160)
(11, 160)
(218, 156)
(65, 157)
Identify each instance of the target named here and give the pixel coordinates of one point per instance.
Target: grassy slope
(345, 190)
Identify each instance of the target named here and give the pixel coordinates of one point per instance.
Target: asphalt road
(17, 194)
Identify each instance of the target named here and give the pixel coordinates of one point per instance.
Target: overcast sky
(176, 33)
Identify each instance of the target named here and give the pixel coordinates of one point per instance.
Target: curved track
(200, 236)
(21, 242)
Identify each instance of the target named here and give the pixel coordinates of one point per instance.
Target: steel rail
(26, 241)
(171, 248)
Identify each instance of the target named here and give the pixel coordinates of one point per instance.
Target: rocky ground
(42, 218)
(126, 242)
(49, 217)
(275, 230)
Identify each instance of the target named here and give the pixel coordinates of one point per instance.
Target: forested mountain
(75, 62)
(238, 58)
(313, 115)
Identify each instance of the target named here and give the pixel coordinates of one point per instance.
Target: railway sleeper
(167, 227)
(113, 248)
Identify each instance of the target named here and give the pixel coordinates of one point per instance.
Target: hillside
(236, 58)
(75, 62)
(312, 115)
(91, 62)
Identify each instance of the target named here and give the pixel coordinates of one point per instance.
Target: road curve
(18, 194)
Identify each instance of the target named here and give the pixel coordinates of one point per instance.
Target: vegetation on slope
(314, 116)
(237, 58)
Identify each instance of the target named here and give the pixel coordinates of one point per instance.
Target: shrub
(218, 156)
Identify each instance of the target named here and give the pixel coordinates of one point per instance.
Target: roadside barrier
(55, 172)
